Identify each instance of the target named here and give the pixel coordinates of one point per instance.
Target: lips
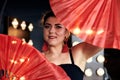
(52, 37)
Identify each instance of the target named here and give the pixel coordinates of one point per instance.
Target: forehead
(52, 20)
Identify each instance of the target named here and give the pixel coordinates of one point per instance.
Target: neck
(54, 50)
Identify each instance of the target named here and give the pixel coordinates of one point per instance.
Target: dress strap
(71, 57)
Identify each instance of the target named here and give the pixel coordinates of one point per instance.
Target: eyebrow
(47, 24)
(58, 24)
(55, 24)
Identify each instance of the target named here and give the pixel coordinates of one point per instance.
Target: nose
(52, 29)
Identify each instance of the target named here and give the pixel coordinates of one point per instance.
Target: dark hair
(46, 16)
(1, 73)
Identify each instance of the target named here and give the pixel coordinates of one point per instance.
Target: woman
(73, 60)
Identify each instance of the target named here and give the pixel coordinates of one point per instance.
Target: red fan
(95, 21)
(20, 61)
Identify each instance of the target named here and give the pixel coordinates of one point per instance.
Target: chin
(52, 43)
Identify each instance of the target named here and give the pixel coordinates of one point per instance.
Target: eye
(58, 26)
(46, 26)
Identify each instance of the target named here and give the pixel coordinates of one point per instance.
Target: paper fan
(20, 61)
(95, 21)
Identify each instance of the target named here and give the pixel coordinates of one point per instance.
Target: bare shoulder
(85, 50)
(82, 51)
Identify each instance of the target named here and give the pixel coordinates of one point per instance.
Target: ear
(67, 34)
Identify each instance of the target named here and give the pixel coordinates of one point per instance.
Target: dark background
(28, 10)
(32, 11)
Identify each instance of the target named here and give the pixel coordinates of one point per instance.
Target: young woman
(72, 60)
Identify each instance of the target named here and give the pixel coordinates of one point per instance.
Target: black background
(28, 10)
(32, 11)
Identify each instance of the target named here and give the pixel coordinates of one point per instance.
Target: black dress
(72, 70)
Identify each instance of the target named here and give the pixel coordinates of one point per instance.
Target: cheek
(45, 33)
(62, 35)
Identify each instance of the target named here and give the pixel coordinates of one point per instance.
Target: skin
(54, 35)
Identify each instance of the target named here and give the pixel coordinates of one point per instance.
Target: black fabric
(71, 57)
(72, 70)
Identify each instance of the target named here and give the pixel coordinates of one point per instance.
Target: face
(54, 32)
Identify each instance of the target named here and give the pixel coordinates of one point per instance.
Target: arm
(82, 51)
(86, 50)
